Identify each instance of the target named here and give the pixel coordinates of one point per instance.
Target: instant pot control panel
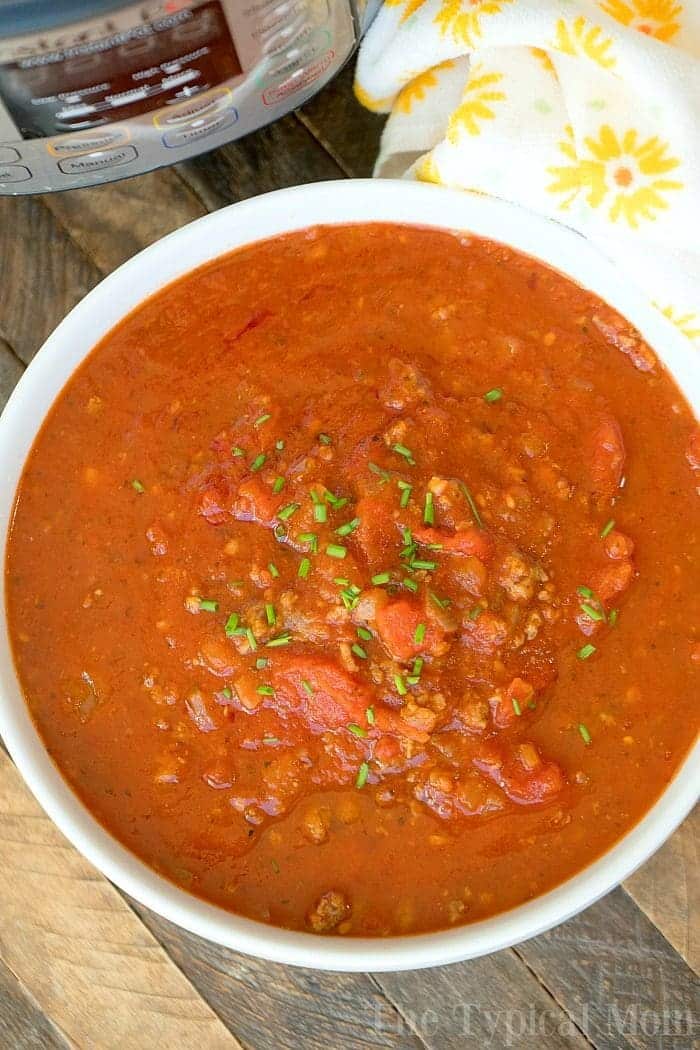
(150, 84)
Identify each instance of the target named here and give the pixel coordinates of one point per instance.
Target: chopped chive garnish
(364, 634)
(417, 666)
(421, 563)
(278, 484)
(262, 419)
(272, 740)
(612, 617)
(585, 592)
(226, 692)
(405, 496)
(585, 735)
(590, 611)
(442, 603)
(273, 863)
(237, 451)
(273, 570)
(252, 640)
(236, 583)
(281, 639)
(401, 450)
(137, 486)
(404, 484)
(369, 715)
(532, 705)
(357, 730)
(348, 527)
(475, 612)
(279, 445)
(493, 395)
(258, 461)
(307, 687)
(429, 509)
(261, 663)
(265, 690)
(381, 578)
(411, 585)
(208, 605)
(400, 685)
(341, 581)
(231, 625)
(311, 538)
(419, 633)
(279, 532)
(324, 439)
(472, 505)
(334, 550)
(270, 614)
(287, 511)
(359, 651)
(350, 598)
(304, 568)
(607, 528)
(516, 707)
(362, 774)
(586, 651)
(383, 474)
(320, 512)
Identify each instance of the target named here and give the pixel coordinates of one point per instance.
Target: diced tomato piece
(692, 452)
(618, 546)
(524, 776)
(610, 581)
(485, 634)
(466, 543)
(214, 501)
(607, 458)
(256, 502)
(376, 533)
(397, 623)
(506, 703)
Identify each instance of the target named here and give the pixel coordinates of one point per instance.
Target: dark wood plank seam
(7, 345)
(63, 1036)
(308, 126)
(550, 994)
(658, 929)
(44, 200)
(376, 981)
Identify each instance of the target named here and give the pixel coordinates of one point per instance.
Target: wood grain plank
(44, 274)
(667, 889)
(70, 938)
(113, 222)
(617, 977)
(494, 1001)
(11, 369)
(282, 154)
(346, 129)
(275, 1007)
(23, 1025)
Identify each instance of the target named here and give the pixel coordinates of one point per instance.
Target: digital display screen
(120, 76)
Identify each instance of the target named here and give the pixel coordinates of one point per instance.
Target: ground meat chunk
(328, 912)
(405, 385)
(518, 578)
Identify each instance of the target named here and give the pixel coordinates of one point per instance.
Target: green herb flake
(419, 634)
(472, 505)
(380, 578)
(275, 866)
(278, 484)
(592, 612)
(307, 687)
(341, 581)
(280, 640)
(357, 730)
(258, 462)
(362, 774)
(613, 616)
(270, 614)
(231, 625)
(311, 538)
(586, 651)
(137, 486)
(359, 651)
(429, 509)
(475, 612)
(262, 419)
(261, 663)
(348, 527)
(585, 735)
(607, 528)
(273, 570)
(442, 603)
(237, 451)
(369, 715)
(516, 707)
(252, 640)
(401, 450)
(410, 584)
(422, 563)
(208, 605)
(364, 634)
(271, 740)
(304, 568)
(335, 550)
(265, 690)
(400, 685)
(324, 439)
(320, 513)
(279, 445)
(286, 512)
(405, 496)
(226, 692)
(383, 474)
(585, 592)
(493, 395)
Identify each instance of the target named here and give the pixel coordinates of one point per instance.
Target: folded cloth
(587, 111)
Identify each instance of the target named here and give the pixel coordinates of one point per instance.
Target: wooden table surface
(83, 965)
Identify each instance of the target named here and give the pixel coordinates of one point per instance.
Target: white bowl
(72, 341)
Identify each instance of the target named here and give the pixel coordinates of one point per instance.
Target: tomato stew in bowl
(352, 581)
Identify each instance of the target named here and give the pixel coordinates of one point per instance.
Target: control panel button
(87, 142)
(14, 173)
(8, 155)
(299, 80)
(102, 159)
(199, 129)
(197, 106)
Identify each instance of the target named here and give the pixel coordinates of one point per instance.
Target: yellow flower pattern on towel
(463, 20)
(688, 324)
(581, 38)
(417, 89)
(411, 7)
(618, 170)
(658, 18)
(476, 105)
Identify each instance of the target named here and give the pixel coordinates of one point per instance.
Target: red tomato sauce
(353, 580)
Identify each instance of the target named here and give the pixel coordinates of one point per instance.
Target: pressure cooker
(97, 90)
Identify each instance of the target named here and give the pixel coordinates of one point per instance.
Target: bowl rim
(336, 202)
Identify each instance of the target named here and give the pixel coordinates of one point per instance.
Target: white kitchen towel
(587, 111)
